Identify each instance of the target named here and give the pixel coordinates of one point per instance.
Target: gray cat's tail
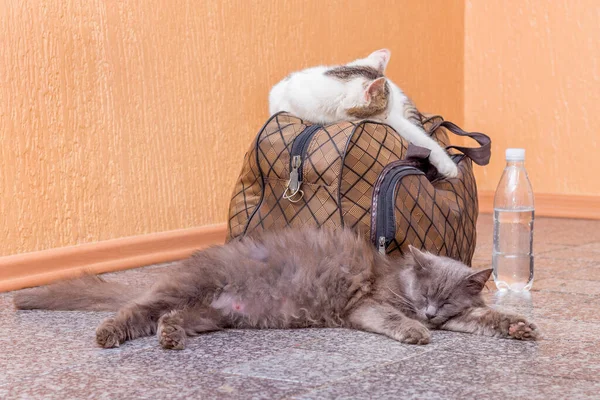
(88, 293)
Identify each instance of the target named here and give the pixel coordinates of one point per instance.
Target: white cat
(353, 91)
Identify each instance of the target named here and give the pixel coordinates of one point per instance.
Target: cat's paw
(108, 335)
(170, 333)
(521, 329)
(448, 169)
(444, 164)
(517, 327)
(414, 332)
(172, 337)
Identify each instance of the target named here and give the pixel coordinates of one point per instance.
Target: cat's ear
(381, 58)
(375, 89)
(421, 259)
(476, 281)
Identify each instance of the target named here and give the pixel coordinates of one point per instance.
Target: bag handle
(480, 155)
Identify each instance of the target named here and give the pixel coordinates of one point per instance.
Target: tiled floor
(52, 354)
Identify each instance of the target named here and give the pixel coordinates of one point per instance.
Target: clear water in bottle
(514, 213)
(513, 255)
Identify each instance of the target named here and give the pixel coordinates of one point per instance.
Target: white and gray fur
(357, 90)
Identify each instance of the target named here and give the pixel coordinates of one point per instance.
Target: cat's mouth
(433, 322)
(437, 321)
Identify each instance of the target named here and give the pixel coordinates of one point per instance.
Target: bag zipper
(297, 156)
(383, 221)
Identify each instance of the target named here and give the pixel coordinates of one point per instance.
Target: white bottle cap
(515, 154)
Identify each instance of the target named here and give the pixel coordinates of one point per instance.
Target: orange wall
(125, 118)
(532, 80)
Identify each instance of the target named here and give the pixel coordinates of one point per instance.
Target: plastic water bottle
(513, 226)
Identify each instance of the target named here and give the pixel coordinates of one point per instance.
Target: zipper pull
(293, 186)
(381, 246)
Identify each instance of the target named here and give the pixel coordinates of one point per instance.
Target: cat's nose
(430, 312)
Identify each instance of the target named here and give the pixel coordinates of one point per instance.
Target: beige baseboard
(41, 267)
(553, 205)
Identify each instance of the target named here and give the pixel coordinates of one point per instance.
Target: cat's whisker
(403, 300)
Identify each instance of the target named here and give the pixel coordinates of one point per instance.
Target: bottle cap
(515, 154)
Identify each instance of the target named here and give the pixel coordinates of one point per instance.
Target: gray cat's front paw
(108, 335)
(517, 327)
(523, 330)
(414, 332)
(172, 337)
(170, 333)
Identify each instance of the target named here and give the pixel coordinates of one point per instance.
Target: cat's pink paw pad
(108, 335)
(523, 330)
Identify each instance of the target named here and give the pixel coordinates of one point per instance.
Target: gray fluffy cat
(291, 279)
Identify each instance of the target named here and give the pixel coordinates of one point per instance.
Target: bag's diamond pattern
(438, 216)
(370, 149)
(342, 163)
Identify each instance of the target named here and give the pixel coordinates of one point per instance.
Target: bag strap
(480, 155)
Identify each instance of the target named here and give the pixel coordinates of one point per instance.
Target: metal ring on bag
(292, 196)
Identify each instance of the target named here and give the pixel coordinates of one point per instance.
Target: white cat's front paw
(444, 165)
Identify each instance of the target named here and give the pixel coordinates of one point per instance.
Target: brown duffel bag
(361, 175)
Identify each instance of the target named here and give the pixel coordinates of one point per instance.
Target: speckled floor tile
(566, 231)
(477, 345)
(575, 253)
(564, 358)
(442, 375)
(548, 267)
(370, 346)
(216, 351)
(550, 305)
(59, 339)
(568, 306)
(6, 306)
(569, 331)
(568, 285)
(132, 378)
(303, 366)
(584, 274)
(595, 247)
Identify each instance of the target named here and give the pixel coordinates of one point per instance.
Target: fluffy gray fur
(291, 279)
